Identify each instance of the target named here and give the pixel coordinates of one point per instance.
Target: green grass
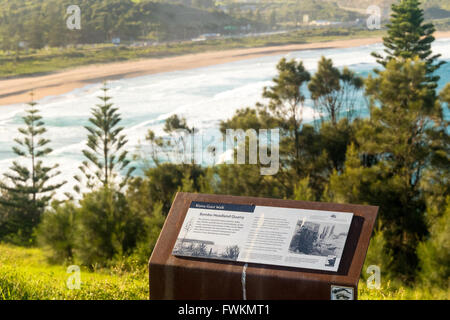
(26, 275)
(55, 59)
(390, 291)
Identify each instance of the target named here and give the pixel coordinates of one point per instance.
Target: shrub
(377, 255)
(434, 253)
(107, 227)
(153, 226)
(57, 231)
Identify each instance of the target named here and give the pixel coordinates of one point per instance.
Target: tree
(105, 155)
(231, 252)
(353, 185)
(335, 138)
(400, 139)
(333, 90)
(304, 151)
(303, 191)
(36, 34)
(174, 123)
(434, 253)
(408, 37)
(107, 228)
(175, 146)
(400, 136)
(185, 175)
(273, 18)
(58, 231)
(161, 183)
(436, 178)
(29, 189)
(445, 94)
(286, 101)
(57, 32)
(153, 223)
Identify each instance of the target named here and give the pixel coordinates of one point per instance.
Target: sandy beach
(13, 91)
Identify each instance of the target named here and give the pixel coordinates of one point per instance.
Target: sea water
(204, 96)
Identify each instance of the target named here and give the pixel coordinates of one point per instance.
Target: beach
(202, 92)
(17, 90)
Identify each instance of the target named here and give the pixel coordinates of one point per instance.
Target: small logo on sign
(341, 293)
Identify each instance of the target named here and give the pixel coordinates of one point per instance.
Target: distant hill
(445, 4)
(287, 12)
(43, 22)
(434, 9)
(40, 23)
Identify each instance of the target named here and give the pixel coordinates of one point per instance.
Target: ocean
(204, 96)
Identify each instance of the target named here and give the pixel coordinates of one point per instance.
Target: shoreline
(16, 90)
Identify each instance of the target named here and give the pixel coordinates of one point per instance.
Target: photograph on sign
(301, 238)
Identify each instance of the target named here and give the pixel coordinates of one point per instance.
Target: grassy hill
(26, 274)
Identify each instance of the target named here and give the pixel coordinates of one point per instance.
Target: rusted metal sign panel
(174, 277)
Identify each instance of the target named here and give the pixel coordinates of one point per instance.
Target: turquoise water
(204, 96)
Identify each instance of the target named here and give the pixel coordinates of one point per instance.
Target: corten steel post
(174, 277)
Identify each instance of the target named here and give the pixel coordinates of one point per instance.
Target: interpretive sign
(312, 239)
(228, 247)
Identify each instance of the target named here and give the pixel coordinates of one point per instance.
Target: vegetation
(28, 190)
(333, 90)
(26, 275)
(286, 101)
(38, 23)
(146, 29)
(131, 20)
(105, 157)
(392, 291)
(426, 4)
(290, 13)
(409, 37)
(52, 59)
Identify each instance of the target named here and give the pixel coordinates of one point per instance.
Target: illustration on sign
(341, 293)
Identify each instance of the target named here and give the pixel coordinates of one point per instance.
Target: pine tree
(400, 136)
(29, 191)
(105, 157)
(408, 36)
